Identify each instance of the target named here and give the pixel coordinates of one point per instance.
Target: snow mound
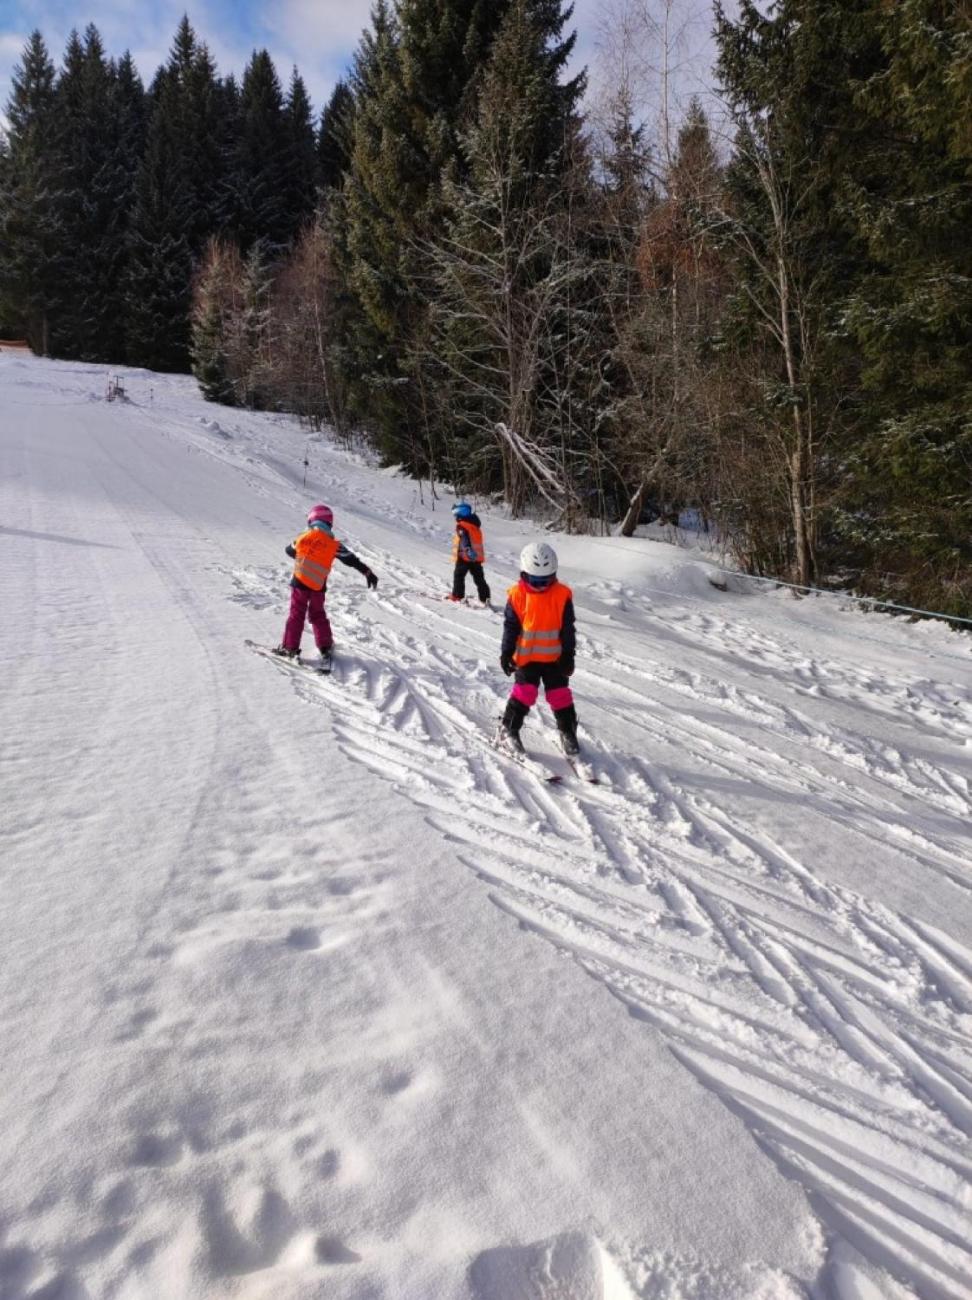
(572, 1266)
(213, 426)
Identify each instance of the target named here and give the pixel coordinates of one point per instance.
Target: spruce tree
(513, 323)
(260, 160)
(415, 84)
(127, 138)
(300, 162)
(335, 137)
(29, 216)
(179, 201)
(95, 196)
(906, 507)
(216, 302)
(789, 75)
(227, 133)
(160, 252)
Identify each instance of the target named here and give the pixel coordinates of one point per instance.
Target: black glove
(506, 663)
(371, 580)
(566, 665)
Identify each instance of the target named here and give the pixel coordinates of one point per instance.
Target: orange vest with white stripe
(315, 555)
(474, 540)
(541, 616)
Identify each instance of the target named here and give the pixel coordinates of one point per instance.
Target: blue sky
(316, 35)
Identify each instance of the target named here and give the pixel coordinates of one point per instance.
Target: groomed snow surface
(307, 992)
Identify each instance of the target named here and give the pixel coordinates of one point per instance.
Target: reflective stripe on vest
(541, 615)
(474, 542)
(315, 555)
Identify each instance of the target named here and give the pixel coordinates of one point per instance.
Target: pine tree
(789, 76)
(160, 252)
(226, 214)
(95, 196)
(179, 201)
(335, 137)
(259, 164)
(513, 328)
(906, 507)
(415, 84)
(128, 127)
(29, 230)
(204, 157)
(300, 162)
(216, 301)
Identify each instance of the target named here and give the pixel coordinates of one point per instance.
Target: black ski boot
(284, 652)
(566, 720)
(511, 723)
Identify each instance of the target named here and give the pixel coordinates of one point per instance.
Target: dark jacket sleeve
(351, 560)
(511, 631)
(568, 631)
(291, 552)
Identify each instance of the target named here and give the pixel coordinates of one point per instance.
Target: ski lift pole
(306, 463)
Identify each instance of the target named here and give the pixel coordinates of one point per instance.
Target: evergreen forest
(597, 310)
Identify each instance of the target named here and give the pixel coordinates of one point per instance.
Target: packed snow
(306, 991)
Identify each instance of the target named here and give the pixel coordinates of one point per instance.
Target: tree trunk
(798, 457)
(630, 521)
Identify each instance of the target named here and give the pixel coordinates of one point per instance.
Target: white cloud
(306, 25)
(318, 36)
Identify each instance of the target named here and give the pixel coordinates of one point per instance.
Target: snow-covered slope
(306, 992)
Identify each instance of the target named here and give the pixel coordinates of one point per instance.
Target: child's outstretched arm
(351, 560)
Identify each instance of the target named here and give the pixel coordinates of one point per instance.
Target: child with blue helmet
(468, 553)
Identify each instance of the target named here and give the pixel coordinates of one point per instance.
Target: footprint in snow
(304, 938)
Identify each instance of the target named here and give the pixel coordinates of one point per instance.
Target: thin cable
(846, 595)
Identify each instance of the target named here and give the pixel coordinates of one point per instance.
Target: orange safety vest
(315, 555)
(474, 537)
(541, 615)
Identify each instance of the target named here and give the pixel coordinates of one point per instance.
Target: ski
(501, 744)
(467, 602)
(582, 768)
(322, 668)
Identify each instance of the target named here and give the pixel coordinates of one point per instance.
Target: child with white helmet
(538, 646)
(468, 553)
(313, 553)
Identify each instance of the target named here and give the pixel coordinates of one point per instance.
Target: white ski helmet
(538, 560)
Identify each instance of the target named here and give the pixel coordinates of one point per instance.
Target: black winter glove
(371, 580)
(506, 663)
(566, 665)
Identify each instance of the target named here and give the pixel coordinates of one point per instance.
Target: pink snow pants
(556, 686)
(309, 605)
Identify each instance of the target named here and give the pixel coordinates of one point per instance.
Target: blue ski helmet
(462, 510)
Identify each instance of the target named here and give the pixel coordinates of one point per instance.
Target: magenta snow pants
(556, 686)
(310, 605)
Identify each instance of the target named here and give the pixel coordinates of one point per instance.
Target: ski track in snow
(837, 1030)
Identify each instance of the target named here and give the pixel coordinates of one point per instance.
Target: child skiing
(468, 553)
(538, 646)
(313, 553)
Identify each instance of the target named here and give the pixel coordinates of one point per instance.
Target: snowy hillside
(306, 992)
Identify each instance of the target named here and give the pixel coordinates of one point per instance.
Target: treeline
(505, 291)
(109, 193)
